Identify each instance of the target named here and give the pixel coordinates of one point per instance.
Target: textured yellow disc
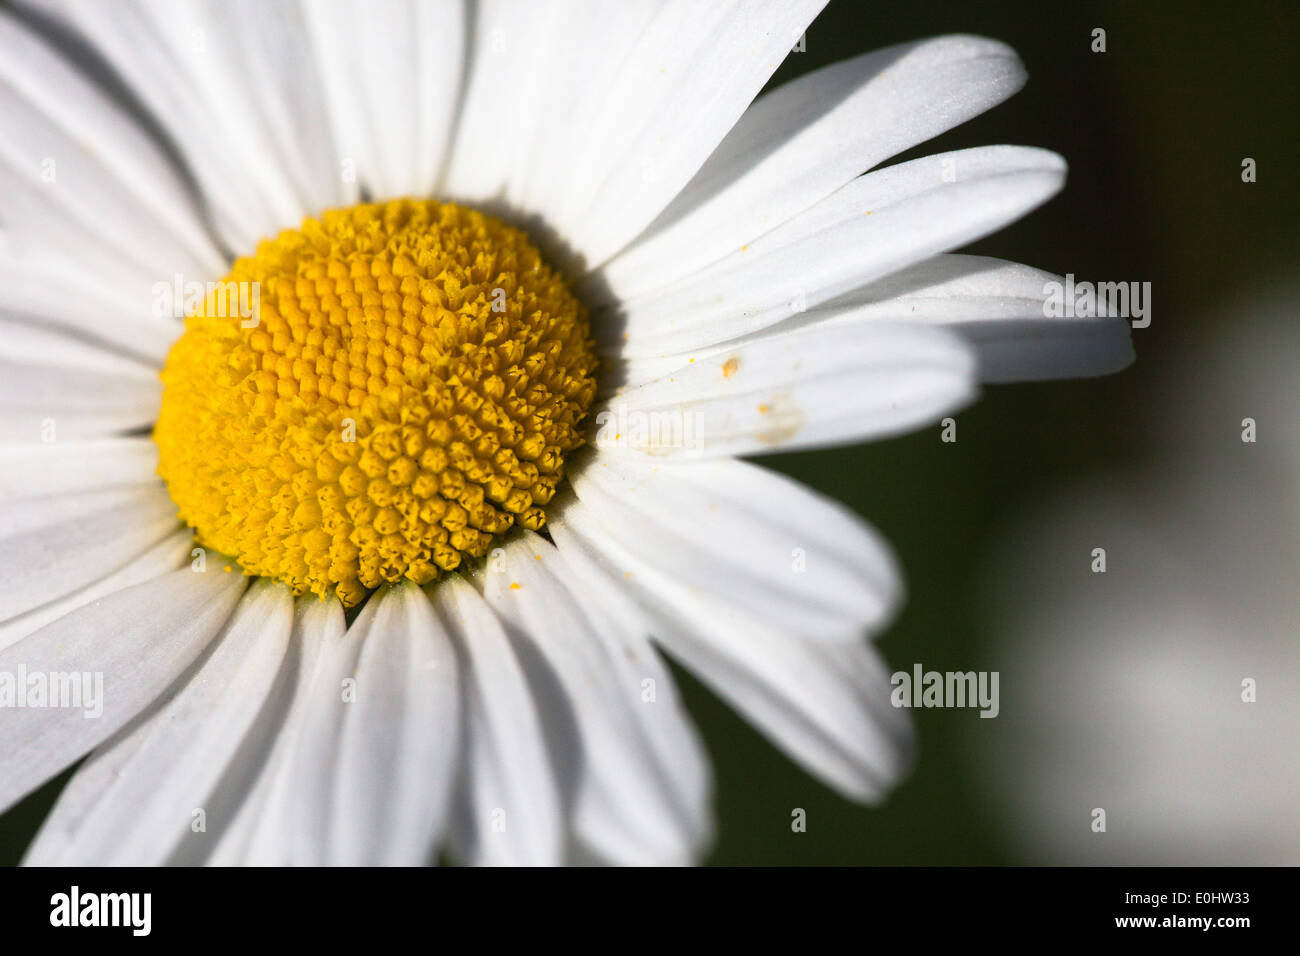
(406, 389)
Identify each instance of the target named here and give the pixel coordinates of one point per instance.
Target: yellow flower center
(375, 396)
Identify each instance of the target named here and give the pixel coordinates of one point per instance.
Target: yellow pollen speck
(407, 389)
(729, 367)
(514, 585)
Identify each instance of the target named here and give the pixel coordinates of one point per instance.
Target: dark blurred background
(1154, 130)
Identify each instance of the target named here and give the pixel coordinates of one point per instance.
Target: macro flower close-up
(380, 383)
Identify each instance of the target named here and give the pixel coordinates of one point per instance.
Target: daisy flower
(452, 447)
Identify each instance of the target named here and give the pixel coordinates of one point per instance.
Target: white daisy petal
(331, 32)
(506, 83)
(826, 705)
(37, 398)
(508, 800)
(167, 555)
(32, 344)
(53, 386)
(639, 795)
(282, 86)
(554, 100)
(801, 142)
(236, 91)
(440, 84)
(133, 802)
(60, 294)
(675, 95)
(801, 562)
(398, 744)
(997, 307)
(877, 224)
(139, 639)
(53, 468)
(392, 87)
(1000, 309)
(84, 162)
(661, 717)
(53, 246)
(53, 545)
(285, 817)
(808, 388)
(526, 112)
